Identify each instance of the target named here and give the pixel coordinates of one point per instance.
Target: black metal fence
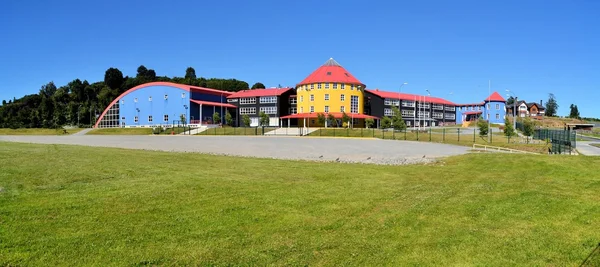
(561, 140)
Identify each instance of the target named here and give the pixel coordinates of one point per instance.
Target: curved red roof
(331, 71)
(495, 97)
(403, 96)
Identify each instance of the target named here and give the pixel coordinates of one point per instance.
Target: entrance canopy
(213, 104)
(337, 115)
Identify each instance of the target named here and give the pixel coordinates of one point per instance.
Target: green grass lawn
(450, 136)
(236, 131)
(121, 131)
(103, 206)
(37, 131)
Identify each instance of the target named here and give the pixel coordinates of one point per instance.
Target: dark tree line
(80, 102)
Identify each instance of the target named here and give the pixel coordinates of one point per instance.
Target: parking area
(356, 150)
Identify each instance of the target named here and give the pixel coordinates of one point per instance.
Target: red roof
(472, 112)
(260, 92)
(331, 71)
(403, 96)
(215, 104)
(495, 97)
(210, 91)
(337, 115)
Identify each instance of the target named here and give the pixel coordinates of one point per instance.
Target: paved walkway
(585, 148)
(292, 131)
(375, 151)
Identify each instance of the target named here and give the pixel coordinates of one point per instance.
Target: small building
(524, 109)
(493, 108)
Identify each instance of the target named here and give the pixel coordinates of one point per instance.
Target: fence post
(458, 134)
(429, 134)
(256, 131)
(443, 135)
(382, 133)
(474, 135)
(361, 132)
(405, 134)
(491, 135)
(373, 132)
(394, 134)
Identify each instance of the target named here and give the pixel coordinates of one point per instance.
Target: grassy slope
(78, 207)
(451, 136)
(37, 131)
(121, 131)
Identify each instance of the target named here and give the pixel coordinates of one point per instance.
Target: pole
(488, 111)
(415, 111)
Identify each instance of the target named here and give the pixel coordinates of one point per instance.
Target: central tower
(330, 89)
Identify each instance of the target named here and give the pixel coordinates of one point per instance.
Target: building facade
(493, 108)
(275, 103)
(163, 104)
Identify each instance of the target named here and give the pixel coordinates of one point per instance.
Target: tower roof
(495, 97)
(331, 71)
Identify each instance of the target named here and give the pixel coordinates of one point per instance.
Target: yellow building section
(330, 97)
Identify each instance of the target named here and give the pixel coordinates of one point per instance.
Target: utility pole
(488, 111)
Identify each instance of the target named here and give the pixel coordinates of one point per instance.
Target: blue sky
(532, 47)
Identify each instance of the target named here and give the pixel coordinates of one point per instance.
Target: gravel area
(351, 150)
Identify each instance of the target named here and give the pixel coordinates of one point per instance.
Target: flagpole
(489, 105)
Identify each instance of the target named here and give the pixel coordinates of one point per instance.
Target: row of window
(312, 98)
(150, 118)
(477, 107)
(312, 109)
(252, 110)
(166, 97)
(411, 113)
(326, 86)
(252, 100)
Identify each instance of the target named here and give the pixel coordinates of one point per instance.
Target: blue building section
(154, 105)
(162, 104)
(492, 108)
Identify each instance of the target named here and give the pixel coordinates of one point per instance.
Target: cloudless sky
(533, 47)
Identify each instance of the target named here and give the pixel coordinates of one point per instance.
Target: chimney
(541, 103)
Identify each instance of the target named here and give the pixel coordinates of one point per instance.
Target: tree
(183, 119)
(264, 119)
(246, 120)
(216, 118)
(510, 100)
(142, 71)
(332, 119)
(483, 127)
(113, 78)
(258, 85)
(321, 118)
(551, 106)
(345, 118)
(397, 120)
(4, 102)
(190, 74)
(528, 127)
(228, 119)
(508, 128)
(369, 122)
(574, 112)
(386, 122)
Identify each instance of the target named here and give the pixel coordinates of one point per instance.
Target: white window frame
(293, 100)
(319, 86)
(438, 115)
(410, 104)
(312, 86)
(301, 98)
(312, 98)
(408, 113)
(301, 109)
(136, 119)
(326, 85)
(388, 112)
(497, 116)
(247, 100)
(269, 110)
(247, 111)
(497, 106)
(293, 110)
(312, 109)
(326, 97)
(342, 97)
(354, 104)
(342, 86)
(166, 118)
(327, 109)
(342, 108)
(335, 86)
(450, 116)
(150, 119)
(438, 106)
(268, 100)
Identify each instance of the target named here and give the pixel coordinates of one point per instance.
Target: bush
(483, 127)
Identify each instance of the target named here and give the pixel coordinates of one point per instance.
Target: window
(488, 106)
(342, 109)
(352, 87)
(424, 114)
(342, 86)
(293, 110)
(269, 110)
(326, 85)
(150, 118)
(326, 97)
(450, 116)
(268, 99)
(391, 102)
(479, 107)
(301, 109)
(388, 112)
(326, 108)
(150, 98)
(451, 108)
(438, 115)
(301, 98)
(335, 86)
(250, 110)
(312, 109)
(122, 102)
(312, 86)
(135, 100)
(497, 106)
(472, 108)
(182, 95)
(488, 116)
(166, 118)
(136, 119)
(354, 104)
(312, 98)
(293, 100)
(123, 118)
(343, 98)
(232, 100)
(423, 105)
(408, 104)
(329, 73)
(319, 86)
(438, 106)
(166, 97)
(408, 113)
(248, 100)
